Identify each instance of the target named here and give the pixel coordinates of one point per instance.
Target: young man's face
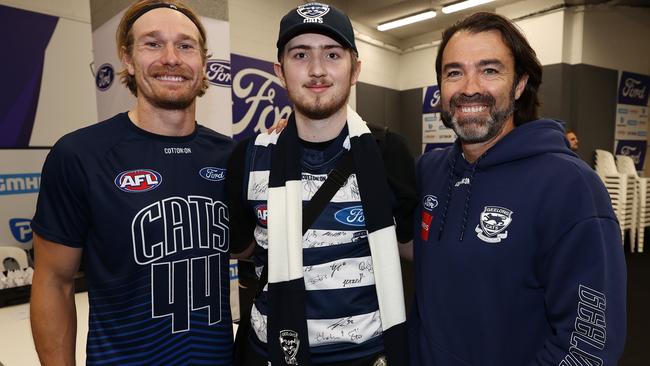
(166, 59)
(318, 73)
(478, 88)
(573, 141)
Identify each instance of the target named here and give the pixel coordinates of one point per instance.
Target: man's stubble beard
(179, 102)
(484, 128)
(319, 109)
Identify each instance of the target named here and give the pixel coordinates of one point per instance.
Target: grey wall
(103, 10)
(584, 96)
(401, 111)
(379, 105)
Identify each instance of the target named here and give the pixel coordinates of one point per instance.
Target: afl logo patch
(429, 202)
(213, 174)
(139, 180)
(351, 216)
(105, 76)
(493, 223)
(312, 12)
(262, 214)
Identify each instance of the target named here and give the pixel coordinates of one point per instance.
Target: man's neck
(319, 130)
(473, 151)
(166, 122)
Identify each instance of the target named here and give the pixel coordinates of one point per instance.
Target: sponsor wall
(20, 180)
(631, 132)
(434, 133)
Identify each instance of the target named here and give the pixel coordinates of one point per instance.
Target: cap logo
(313, 12)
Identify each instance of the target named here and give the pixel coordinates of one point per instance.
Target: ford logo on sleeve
(351, 216)
(213, 174)
(430, 202)
(139, 180)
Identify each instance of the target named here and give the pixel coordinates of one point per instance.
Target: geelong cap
(317, 18)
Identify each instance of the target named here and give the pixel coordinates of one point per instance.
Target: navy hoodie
(518, 257)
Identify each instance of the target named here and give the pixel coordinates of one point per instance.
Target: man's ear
(277, 67)
(355, 73)
(127, 60)
(521, 85)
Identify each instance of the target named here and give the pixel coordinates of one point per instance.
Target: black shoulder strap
(335, 180)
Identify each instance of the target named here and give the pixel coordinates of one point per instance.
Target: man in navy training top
(334, 295)
(519, 258)
(140, 198)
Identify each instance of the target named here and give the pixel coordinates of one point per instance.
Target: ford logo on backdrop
(105, 76)
(634, 89)
(21, 229)
(351, 216)
(213, 174)
(258, 97)
(431, 102)
(218, 72)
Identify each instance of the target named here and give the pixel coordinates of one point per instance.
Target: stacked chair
(621, 189)
(625, 165)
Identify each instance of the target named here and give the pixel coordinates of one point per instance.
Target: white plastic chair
(19, 255)
(625, 165)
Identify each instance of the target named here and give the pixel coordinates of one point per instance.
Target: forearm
(53, 320)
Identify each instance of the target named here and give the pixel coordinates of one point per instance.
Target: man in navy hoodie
(518, 257)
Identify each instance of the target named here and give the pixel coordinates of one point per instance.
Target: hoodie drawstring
(450, 183)
(468, 197)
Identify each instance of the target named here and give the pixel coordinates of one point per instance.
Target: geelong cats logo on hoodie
(493, 223)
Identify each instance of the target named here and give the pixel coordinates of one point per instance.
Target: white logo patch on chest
(493, 223)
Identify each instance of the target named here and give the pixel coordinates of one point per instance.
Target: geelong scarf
(287, 335)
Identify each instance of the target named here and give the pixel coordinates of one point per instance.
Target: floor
(17, 348)
(16, 345)
(637, 345)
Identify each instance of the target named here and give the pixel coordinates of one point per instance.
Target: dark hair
(124, 36)
(526, 62)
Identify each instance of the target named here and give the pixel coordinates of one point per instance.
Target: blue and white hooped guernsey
(150, 214)
(337, 262)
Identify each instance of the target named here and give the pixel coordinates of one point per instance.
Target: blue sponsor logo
(430, 202)
(632, 122)
(351, 216)
(634, 89)
(21, 229)
(218, 73)
(105, 76)
(431, 100)
(623, 111)
(258, 96)
(213, 174)
(19, 183)
(234, 271)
